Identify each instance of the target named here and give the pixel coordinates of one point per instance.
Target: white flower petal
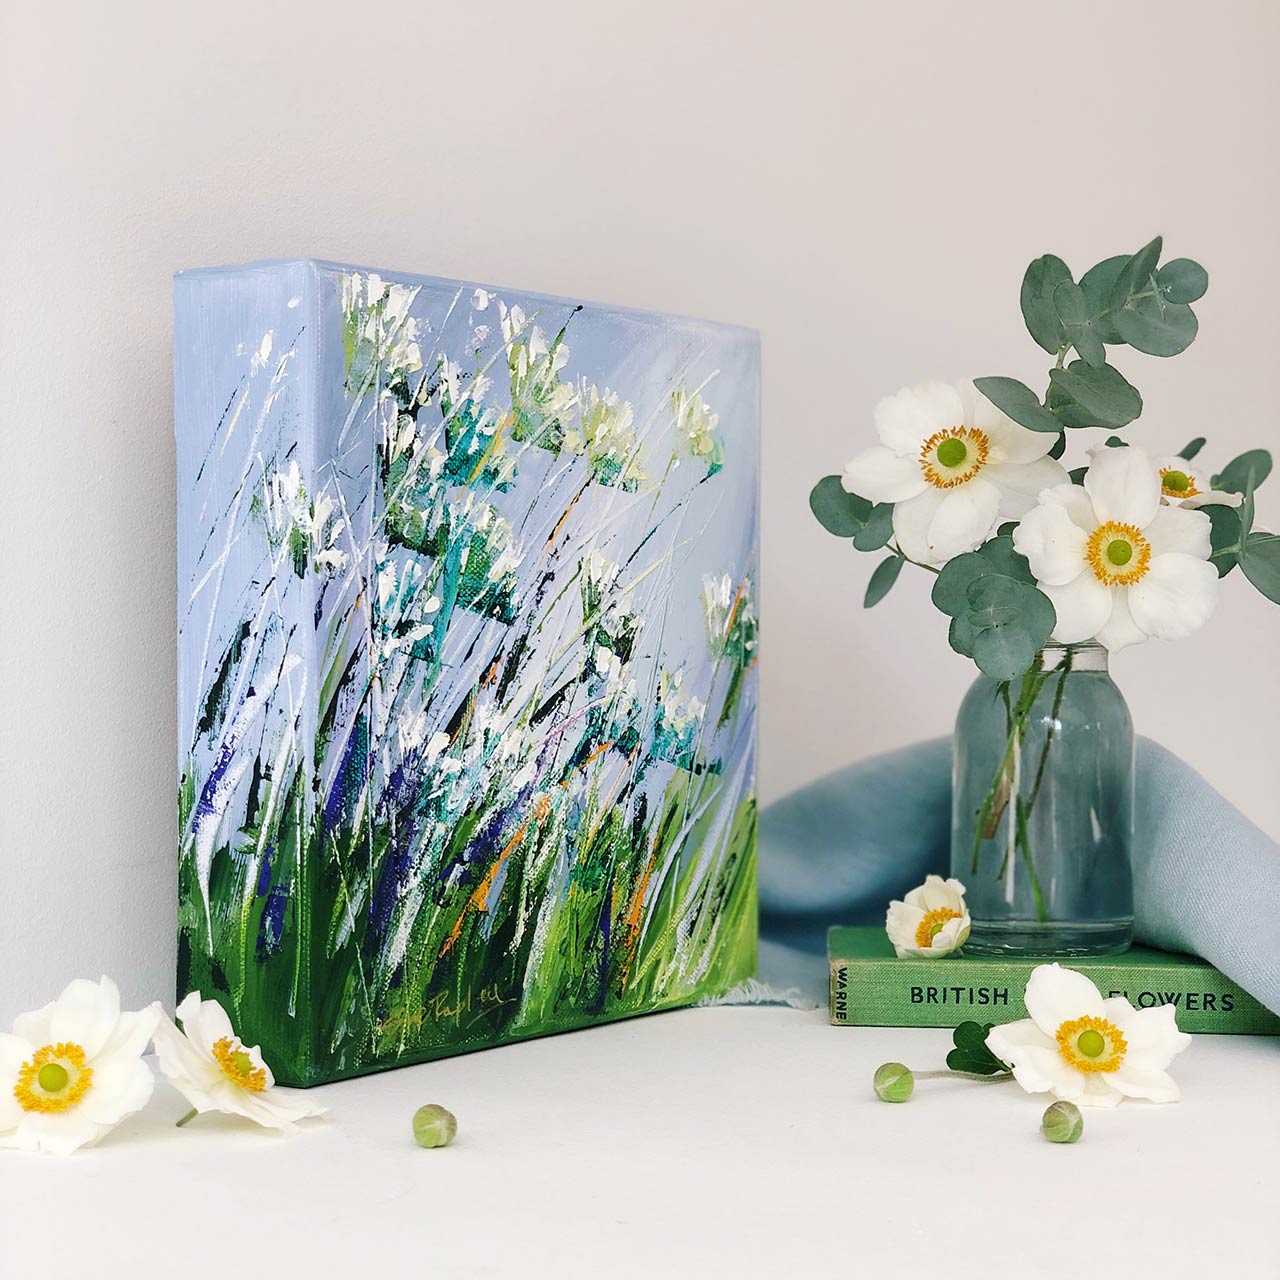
(33, 1027)
(1132, 1082)
(1037, 1065)
(1119, 631)
(900, 923)
(1053, 544)
(131, 1036)
(1175, 597)
(1083, 607)
(1010, 441)
(118, 1089)
(58, 1133)
(911, 520)
(1056, 995)
(937, 893)
(1212, 497)
(14, 1051)
(86, 1014)
(953, 934)
(963, 519)
(906, 419)
(879, 475)
(1075, 502)
(1151, 1036)
(1098, 1092)
(1020, 483)
(1179, 529)
(205, 1022)
(1123, 485)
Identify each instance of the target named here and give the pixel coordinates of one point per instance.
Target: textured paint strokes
(467, 646)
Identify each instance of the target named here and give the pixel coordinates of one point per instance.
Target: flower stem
(964, 1075)
(188, 1118)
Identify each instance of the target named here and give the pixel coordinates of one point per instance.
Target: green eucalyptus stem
(897, 551)
(996, 1077)
(187, 1119)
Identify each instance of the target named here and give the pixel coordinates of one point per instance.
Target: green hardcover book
(871, 987)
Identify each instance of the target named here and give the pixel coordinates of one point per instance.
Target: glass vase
(1042, 808)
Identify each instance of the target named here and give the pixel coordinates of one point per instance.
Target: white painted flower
(1119, 566)
(70, 1072)
(1087, 1050)
(214, 1071)
(1186, 483)
(932, 921)
(953, 465)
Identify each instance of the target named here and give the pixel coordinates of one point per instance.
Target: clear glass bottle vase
(1042, 808)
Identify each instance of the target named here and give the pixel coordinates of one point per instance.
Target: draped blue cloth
(1206, 880)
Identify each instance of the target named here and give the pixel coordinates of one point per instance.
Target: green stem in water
(188, 1118)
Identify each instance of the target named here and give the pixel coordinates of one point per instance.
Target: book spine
(945, 993)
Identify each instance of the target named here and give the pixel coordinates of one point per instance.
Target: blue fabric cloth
(1206, 880)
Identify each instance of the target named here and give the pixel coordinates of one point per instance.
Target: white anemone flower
(1186, 483)
(1119, 566)
(214, 1071)
(1087, 1050)
(70, 1072)
(932, 921)
(953, 465)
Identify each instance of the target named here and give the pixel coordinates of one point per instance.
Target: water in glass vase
(1042, 808)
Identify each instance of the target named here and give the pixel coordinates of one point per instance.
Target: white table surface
(734, 1142)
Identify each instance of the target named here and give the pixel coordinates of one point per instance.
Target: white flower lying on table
(932, 921)
(214, 1071)
(70, 1072)
(1084, 1049)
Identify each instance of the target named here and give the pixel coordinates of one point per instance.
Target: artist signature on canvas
(465, 1011)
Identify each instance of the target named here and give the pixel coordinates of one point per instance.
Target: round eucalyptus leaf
(1059, 448)
(1155, 326)
(961, 635)
(1234, 477)
(999, 551)
(951, 586)
(1260, 561)
(1103, 393)
(1038, 284)
(1003, 652)
(1073, 311)
(878, 529)
(1135, 277)
(1224, 533)
(1182, 280)
(882, 580)
(1191, 448)
(838, 511)
(1097, 285)
(1019, 402)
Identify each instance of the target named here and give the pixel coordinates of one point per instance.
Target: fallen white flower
(214, 1071)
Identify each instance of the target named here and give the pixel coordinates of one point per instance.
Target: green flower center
(1119, 552)
(952, 452)
(1178, 481)
(242, 1062)
(1091, 1043)
(52, 1077)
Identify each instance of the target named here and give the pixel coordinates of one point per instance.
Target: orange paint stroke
(479, 900)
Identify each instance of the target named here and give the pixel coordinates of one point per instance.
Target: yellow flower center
(1177, 484)
(1091, 1044)
(1118, 554)
(931, 925)
(53, 1079)
(237, 1066)
(953, 457)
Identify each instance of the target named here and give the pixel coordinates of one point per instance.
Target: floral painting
(467, 661)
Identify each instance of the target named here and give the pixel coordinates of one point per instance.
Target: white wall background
(865, 182)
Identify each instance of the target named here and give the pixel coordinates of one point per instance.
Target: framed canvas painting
(467, 620)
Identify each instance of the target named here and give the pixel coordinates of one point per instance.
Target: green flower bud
(1062, 1122)
(893, 1082)
(433, 1126)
